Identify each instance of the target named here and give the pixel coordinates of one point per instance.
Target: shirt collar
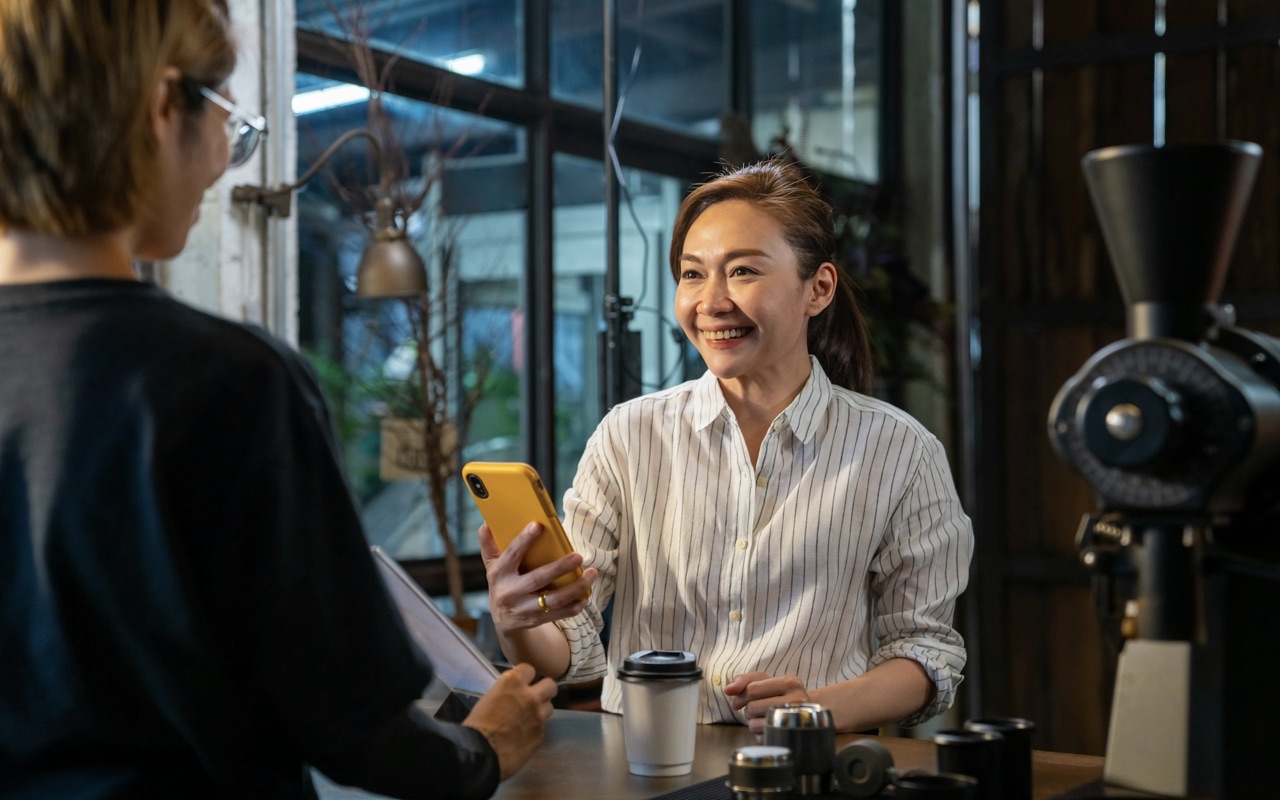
(708, 401)
(806, 412)
(802, 416)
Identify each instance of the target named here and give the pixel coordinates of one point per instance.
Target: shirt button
(761, 481)
(741, 544)
(735, 616)
(715, 679)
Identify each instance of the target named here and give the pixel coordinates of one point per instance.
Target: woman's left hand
(754, 693)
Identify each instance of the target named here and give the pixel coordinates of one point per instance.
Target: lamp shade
(390, 266)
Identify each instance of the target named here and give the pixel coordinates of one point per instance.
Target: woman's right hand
(519, 601)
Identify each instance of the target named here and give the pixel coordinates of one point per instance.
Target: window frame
(553, 127)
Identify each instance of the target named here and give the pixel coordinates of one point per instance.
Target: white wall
(237, 262)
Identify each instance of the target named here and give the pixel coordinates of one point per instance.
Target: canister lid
(761, 769)
(761, 755)
(863, 769)
(798, 715)
(1002, 725)
(660, 665)
(963, 737)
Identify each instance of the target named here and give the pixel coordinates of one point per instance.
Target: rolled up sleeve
(918, 576)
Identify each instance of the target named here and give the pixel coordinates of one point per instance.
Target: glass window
(656, 355)
(671, 60)
(816, 79)
(816, 82)
(483, 38)
(465, 177)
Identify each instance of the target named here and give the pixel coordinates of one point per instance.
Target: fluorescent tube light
(469, 64)
(342, 94)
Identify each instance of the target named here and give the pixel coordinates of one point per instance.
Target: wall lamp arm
(390, 266)
(278, 200)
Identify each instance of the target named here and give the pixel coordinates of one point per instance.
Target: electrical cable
(616, 166)
(678, 335)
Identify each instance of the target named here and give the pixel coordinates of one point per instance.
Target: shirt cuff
(586, 652)
(943, 665)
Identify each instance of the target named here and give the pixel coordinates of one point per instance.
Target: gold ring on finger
(542, 603)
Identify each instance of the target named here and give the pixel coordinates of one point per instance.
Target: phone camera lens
(477, 486)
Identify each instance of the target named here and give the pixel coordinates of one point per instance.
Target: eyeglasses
(246, 128)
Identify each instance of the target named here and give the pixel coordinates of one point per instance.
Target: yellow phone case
(510, 495)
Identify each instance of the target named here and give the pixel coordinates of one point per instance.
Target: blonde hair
(76, 81)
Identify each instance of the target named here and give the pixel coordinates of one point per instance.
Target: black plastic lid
(660, 665)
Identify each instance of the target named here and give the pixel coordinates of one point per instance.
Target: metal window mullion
(538, 401)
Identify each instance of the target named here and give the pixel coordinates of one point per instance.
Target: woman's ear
(164, 111)
(822, 288)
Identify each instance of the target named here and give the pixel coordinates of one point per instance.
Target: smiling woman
(803, 539)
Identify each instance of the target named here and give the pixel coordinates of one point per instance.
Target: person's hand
(519, 601)
(754, 693)
(512, 715)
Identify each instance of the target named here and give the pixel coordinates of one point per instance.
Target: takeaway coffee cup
(659, 711)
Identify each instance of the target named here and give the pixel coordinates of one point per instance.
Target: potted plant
(411, 376)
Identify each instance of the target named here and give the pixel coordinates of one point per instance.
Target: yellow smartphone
(510, 495)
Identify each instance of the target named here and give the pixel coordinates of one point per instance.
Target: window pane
(471, 237)
(816, 82)
(656, 354)
(472, 37)
(671, 60)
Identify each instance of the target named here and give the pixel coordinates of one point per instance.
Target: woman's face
(191, 155)
(740, 298)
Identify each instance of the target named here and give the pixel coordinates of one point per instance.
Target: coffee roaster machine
(1176, 428)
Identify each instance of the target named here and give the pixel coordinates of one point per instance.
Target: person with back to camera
(803, 539)
(188, 608)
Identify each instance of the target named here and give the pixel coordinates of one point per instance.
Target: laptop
(458, 663)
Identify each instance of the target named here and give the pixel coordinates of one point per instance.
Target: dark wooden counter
(583, 756)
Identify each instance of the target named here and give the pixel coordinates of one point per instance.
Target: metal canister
(761, 772)
(808, 731)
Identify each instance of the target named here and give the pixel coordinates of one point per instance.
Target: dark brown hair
(76, 81)
(838, 336)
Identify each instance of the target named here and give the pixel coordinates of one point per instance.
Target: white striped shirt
(846, 546)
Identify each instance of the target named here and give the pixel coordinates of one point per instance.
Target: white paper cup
(660, 711)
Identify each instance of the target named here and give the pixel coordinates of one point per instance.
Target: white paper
(458, 663)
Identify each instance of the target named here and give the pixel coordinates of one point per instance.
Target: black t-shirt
(188, 607)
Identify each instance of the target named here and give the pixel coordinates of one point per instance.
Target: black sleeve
(298, 601)
(413, 756)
